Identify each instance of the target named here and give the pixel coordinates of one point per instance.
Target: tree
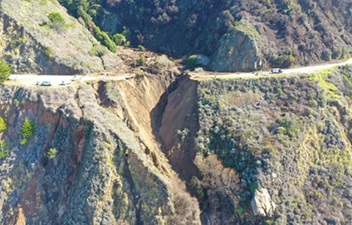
(192, 61)
(104, 39)
(27, 131)
(119, 39)
(5, 71)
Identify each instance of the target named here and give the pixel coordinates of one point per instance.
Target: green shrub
(104, 39)
(141, 61)
(49, 52)
(5, 71)
(52, 153)
(141, 48)
(326, 55)
(192, 61)
(239, 210)
(27, 131)
(119, 39)
(85, 16)
(16, 42)
(3, 125)
(4, 150)
(57, 22)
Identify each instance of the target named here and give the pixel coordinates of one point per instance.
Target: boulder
(238, 51)
(262, 204)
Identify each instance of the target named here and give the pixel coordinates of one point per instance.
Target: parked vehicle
(276, 70)
(65, 82)
(45, 83)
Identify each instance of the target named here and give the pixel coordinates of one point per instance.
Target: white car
(276, 70)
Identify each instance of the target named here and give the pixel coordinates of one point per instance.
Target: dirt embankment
(178, 124)
(108, 167)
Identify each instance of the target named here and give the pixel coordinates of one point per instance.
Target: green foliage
(5, 71)
(98, 51)
(119, 39)
(57, 22)
(196, 185)
(192, 61)
(239, 210)
(52, 153)
(48, 52)
(141, 61)
(141, 48)
(126, 32)
(27, 131)
(3, 125)
(284, 61)
(16, 42)
(288, 127)
(4, 150)
(248, 29)
(85, 16)
(322, 78)
(104, 39)
(326, 55)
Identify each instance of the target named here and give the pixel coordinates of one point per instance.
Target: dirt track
(56, 80)
(300, 70)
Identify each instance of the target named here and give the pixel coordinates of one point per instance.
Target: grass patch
(3, 125)
(322, 78)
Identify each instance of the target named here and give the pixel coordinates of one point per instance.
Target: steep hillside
(236, 35)
(265, 150)
(33, 43)
(250, 151)
(89, 158)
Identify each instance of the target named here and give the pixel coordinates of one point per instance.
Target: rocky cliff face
(241, 50)
(108, 169)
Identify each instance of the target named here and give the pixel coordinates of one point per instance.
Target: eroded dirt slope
(108, 168)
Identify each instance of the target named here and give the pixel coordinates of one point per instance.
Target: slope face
(289, 32)
(33, 44)
(107, 168)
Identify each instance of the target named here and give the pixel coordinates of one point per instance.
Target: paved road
(56, 80)
(301, 70)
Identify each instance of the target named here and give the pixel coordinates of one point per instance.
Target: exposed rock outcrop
(238, 51)
(262, 205)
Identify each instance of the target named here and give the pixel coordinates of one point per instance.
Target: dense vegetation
(89, 12)
(289, 32)
(291, 136)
